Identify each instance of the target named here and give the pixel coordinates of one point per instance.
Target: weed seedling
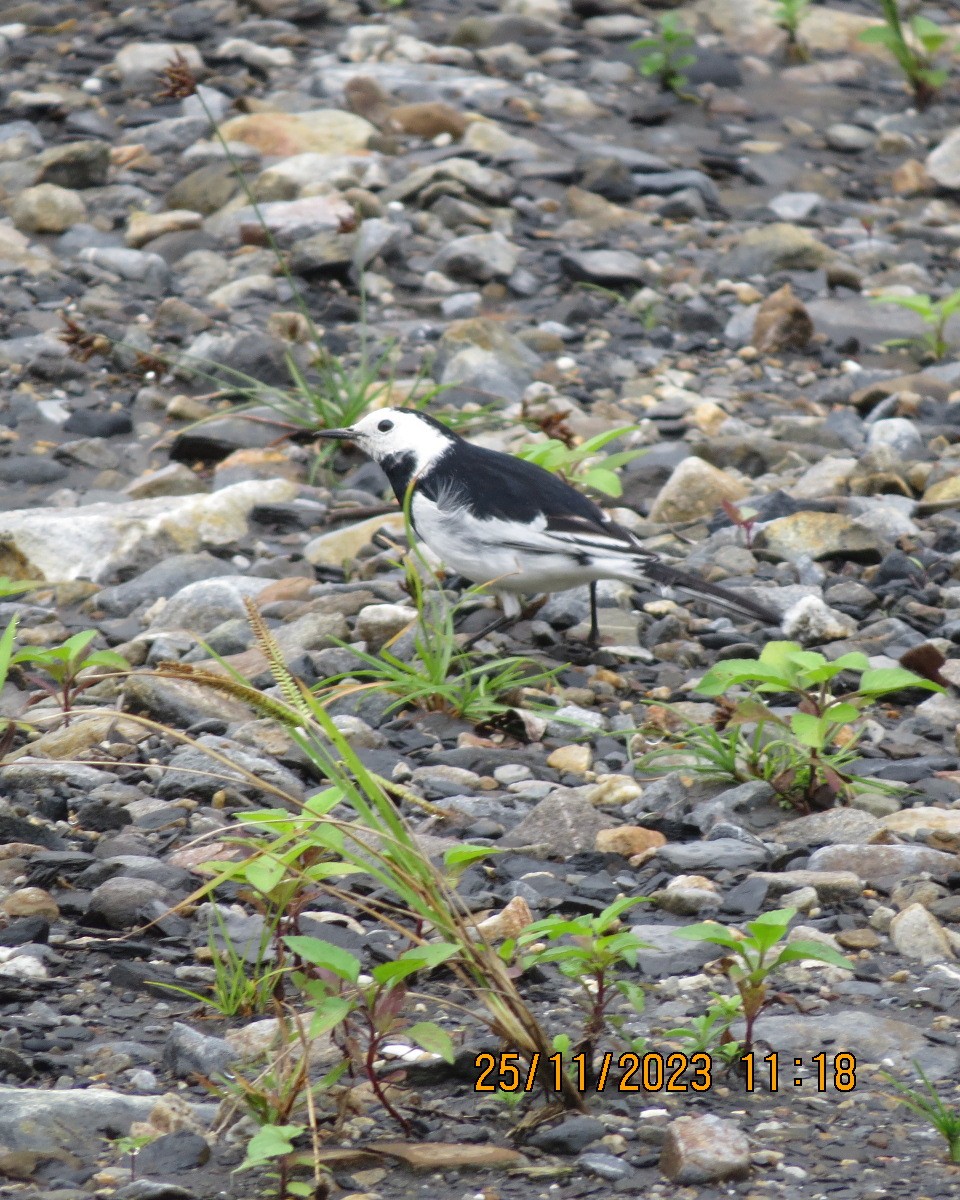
(914, 50)
(755, 955)
(934, 313)
(577, 465)
(64, 665)
(586, 950)
(788, 15)
(807, 756)
(666, 54)
(944, 1118)
(710, 1033)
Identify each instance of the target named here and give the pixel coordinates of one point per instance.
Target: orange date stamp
(673, 1072)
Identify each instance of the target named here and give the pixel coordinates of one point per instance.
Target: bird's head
(391, 435)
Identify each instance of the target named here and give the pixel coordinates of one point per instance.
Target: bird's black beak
(341, 434)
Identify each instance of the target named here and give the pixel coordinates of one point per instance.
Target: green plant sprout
(806, 756)
(933, 313)
(944, 1118)
(710, 1033)
(914, 50)
(575, 463)
(665, 55)
(755, 955)
(586, 950)
(788, 15)
(65, 663)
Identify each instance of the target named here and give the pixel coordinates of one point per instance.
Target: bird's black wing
(495, 486)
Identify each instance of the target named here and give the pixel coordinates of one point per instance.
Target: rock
(829, 827)
(125, 902)
(335, 548)
(688, 895)
(563, 823)
(320, 131)
(704, 1149)
(777, 247)
(911, 178)
(628, 840)
(818, 535)
(478, 257)
(795, 206)
(607, 268)
(41, 1119)
(182, 1150)
(179, 702)
(31, 902)
(187, 1053)
(941, 823)
(695, 489)
(145, 227)
(869, 1036)
(97, 540)
(882, 866)
(139, 63)
(851, 139)
(917, 933)
(575, 759)
(74, 165)
(943, 163)
(782, 323)
(813, 622)
(571, 1136)
(831, 885)
(47, 208)
(378, 623)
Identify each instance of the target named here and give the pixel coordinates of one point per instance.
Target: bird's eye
(385, 426)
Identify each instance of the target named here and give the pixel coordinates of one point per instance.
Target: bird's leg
(512, 611)
(593, 637)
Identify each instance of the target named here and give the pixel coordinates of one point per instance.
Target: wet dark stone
(180, 1151)
(22, 468)
(90, 422)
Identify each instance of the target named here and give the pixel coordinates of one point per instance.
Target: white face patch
(391, 431)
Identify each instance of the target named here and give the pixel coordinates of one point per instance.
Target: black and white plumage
(500, 520)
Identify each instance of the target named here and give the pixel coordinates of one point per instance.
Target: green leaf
(917, 304)
(841, 713)
(878, 35)
(879, 680)
(603, 480)
(808, 730)
(465, 854)
(826, 954)
(709, 931)
(324, 954)
(264, 873)
(432, 1038)
(270, 1142)
(328, 1014)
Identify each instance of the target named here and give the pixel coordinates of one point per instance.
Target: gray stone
(478, 257)
(44, 1119)
(943, 163)
(918, 934)
(851, 139)
(197, 773)
(485, 372)
(882, 866)
(163, 579)
(96, 541)
(718, 854)
(607, 268)
(795, 206)
(871, 1038)
(704, 1149)
(187, 1053)
(140, 62)
(179, 702)
(666, 953)
(123, 903)
(562, 824)
(777, 247)
(845, 825)
(75, 164)
(897, 433)
(202, 606)
(47, 208)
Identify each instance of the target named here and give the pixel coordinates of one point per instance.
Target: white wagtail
(500, 520)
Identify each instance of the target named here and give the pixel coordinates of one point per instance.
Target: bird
(500, 520)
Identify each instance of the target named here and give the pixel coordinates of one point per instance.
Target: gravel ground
(561, 245)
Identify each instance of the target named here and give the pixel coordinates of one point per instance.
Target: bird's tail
(712, 593)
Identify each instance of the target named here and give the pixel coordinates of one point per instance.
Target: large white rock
(97, 540)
